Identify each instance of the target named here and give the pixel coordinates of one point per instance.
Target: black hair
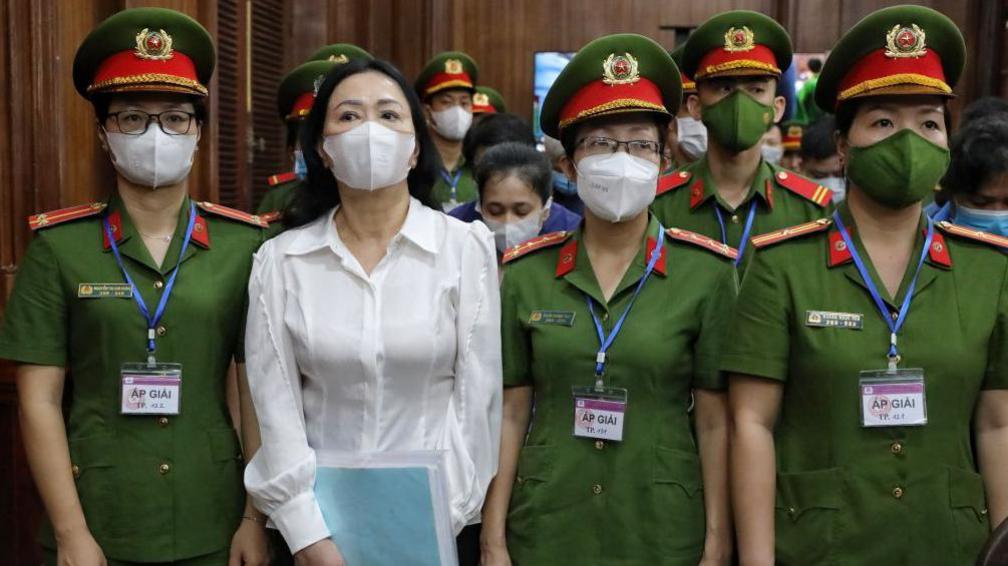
(979, 154)
(493, 129)
(521, 160)
(101, 101)
(569, 135)
(318, 193)
(817, 141)
(815, 65)
(848, 110)
(982, 108)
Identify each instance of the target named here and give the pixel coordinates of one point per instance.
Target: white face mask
(692, 137)
(837, 185)
(510, 234)
(616, 186)
(773, 153)
(370, 156)
(452, 123)
(152, 159)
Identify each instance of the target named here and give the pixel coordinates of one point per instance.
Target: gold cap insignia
(481, 99)
(794, 131)
(453, 67)
(739, 39)
(339, 59)
(903, 41)
(620, 69)
(154, 45)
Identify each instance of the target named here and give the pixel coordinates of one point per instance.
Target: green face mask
(899, 170)
(738, 121)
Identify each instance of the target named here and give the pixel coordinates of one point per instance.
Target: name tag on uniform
(104, 291)
(151, 389)
(559, 318)
(827, 319)
(599, 414)
(893, 398)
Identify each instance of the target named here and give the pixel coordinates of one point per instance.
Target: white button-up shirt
(406, 358)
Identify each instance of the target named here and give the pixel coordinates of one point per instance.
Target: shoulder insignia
(281, 178)
(232, 214)
(271, 217)
(672, 181)
(544, 241)
(54, 217)
(803, 187)
(971, 234)
(702, 241)
(770, 238)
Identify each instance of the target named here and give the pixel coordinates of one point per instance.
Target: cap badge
(453, 67)
(739, 39)
(339, 59)
(620, 69)
(794, 131)
(481, 99)
(903, 41)
(154, 45)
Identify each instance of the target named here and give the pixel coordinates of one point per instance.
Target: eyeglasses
(136, 122)
(645, 149)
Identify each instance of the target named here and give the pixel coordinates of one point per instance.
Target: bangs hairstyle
(318, 193)
(519, 160)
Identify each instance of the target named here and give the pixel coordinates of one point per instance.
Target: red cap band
(126, 71)
(302, 105)
(721, 61)
(442, 81)
(597, 98)
(876, 71)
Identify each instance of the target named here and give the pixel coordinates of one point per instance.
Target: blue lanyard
(943, 213)
(897, 325)
(452, 182)
(606, 341)
(152, 321)
(745, 232)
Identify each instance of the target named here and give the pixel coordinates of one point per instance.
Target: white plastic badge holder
(893, 397)
(151, 389)
(599, 412)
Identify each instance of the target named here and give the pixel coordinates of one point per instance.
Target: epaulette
(770, 238)
(233, 214)
(281, 178)
(271, 217)
(544, 241)
(975, 235)
(54, 217)
(673, 180)
(702, 241)
(803, 187)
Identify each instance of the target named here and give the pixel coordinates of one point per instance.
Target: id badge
(151, 389)
(893, 398)
(599, 413)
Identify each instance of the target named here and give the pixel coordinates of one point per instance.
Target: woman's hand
(321, 553)
(494, 554)
(248, 545)
(79, 550)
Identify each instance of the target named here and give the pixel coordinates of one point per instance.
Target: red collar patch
(660, 264)
(567, 258)
(696, 195)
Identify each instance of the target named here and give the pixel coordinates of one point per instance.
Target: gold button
(596, 489)
(791, 510)
(897, 492)
(605, 316)
(520, 480)
(782, 175)
(983, 511)
(599, 444)
(894, 315)
(75, 469)
(161, 330)
(164, 468)
(158, 284)
(163, 421)
(896, 448)
(734, 219)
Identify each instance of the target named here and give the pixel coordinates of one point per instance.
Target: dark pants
(467, 543)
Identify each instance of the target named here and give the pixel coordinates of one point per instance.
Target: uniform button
(163, 421)
(161, 330)
(791, 511)
(75, 470)
(605, 316)
(596, 489)
(599, 444)
(896, 448)
(158, 284)
(897, 492)
(164, 468)
(734, 219)
(520, 480)
(894, 315)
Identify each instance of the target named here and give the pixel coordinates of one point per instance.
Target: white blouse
(408, 358)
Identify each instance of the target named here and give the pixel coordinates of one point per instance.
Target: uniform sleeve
(35, 322)
(997, 357)
(239, 352)
(514, 341)
(714, 327)
(759, 332)
(473, 426)
(280, 477)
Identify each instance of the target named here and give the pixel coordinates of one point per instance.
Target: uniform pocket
(678, 468)
(535, 465)
(678, 510)
(226, 455)
(92, 461)
(807, 509)
(968, 504)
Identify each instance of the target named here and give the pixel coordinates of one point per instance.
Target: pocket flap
(677, 467)
(534, 463)
(97, 451)
(798, 492)
(966, 489)
(224, 445)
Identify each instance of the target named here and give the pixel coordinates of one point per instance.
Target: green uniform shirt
(465, 188)
(853, 495)
(639, 501)
(278, 197)
(691, 205)
(152, 488)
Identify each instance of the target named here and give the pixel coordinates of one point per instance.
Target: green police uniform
(455, 187)
(153, 488)
(488, 101)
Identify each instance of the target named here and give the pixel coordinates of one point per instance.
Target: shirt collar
(702, 188)
(839, 254)
(419, 228)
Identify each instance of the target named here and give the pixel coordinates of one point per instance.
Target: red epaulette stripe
(673, 180)
(545, 240)
(281, 178)
(54, 217)
(791, 232)
(804, 187)
(702, 241)
(233, 214)
(271, 217)
(976, 235)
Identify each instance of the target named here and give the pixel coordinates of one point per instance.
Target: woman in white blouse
(373, 324)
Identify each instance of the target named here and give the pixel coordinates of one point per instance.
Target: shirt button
(605, 316)
(520, 480)
(158, 284)
(599, 444)
(161, 330)
(75, 470)
(596, 489)
(734, 219)
(896, 448)
(163, 421)
(164, 468)
(897, 492)
(894, 315)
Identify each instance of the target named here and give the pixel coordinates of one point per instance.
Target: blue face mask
(563, 185)
(993, 221)
(300, 167)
